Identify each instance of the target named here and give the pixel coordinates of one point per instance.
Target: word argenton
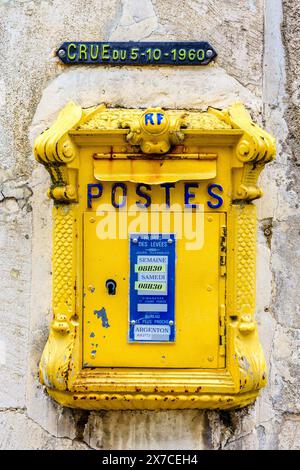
(137, 53)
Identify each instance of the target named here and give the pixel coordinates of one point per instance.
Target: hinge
(222, 331)
(223, 250)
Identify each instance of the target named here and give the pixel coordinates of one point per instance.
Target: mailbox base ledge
(123, 401)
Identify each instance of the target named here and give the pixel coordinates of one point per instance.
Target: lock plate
(152, 288)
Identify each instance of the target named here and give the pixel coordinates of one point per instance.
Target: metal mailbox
(154, 250)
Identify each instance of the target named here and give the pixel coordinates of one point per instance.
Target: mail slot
(154, 250)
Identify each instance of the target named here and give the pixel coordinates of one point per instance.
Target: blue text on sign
(143, 190)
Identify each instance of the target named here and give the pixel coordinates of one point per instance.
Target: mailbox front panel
(198, 296)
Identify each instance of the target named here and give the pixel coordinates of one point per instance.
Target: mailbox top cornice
(255, 144)
(75, 126)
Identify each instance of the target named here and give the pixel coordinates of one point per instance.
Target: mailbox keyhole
(111, 286)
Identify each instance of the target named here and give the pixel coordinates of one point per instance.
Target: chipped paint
(46, 379)
(103, 315)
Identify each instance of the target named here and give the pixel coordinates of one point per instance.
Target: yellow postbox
(154, 251)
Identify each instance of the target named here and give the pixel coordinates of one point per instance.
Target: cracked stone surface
(258, 63)
(22, 432)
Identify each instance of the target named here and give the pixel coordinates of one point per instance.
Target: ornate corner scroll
(55, 149)
(155, 130)
(255, 148)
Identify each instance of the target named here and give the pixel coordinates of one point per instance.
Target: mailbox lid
(197, 300)
(167, 170)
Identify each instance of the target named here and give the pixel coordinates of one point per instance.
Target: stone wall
(258, 43)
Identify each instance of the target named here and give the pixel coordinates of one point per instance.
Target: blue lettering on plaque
(152, 287)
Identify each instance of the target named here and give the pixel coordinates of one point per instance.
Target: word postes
(143, 191)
